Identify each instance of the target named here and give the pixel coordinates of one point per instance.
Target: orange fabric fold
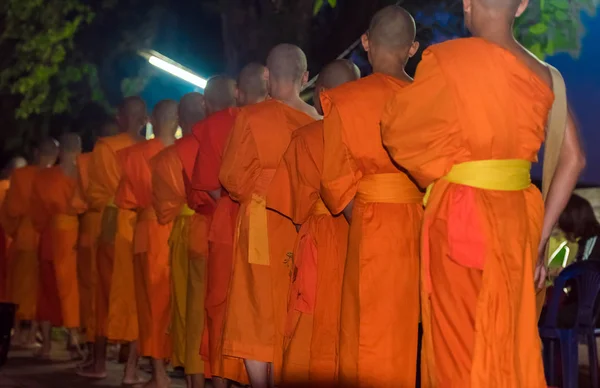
(150, 248)
(257, 297)
(479, 313)
(380, 295)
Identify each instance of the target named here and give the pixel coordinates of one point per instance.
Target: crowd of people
(279, 243)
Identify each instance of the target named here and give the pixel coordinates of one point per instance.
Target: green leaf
(332, 3)
(538, 29)
(317, 7)
(561, 15)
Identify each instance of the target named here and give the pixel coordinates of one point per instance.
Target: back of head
(132, 115)
(109, 128)
(492, 15)
(192, 109)
(252, 84)
(392, 28)
(165, 118)
(219, 93)
(287, 64)
(578, 219)
(13, 164)
(333, 75)
(48, 152)
(70, 143)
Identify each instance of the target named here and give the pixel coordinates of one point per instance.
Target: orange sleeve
(341, 175)
(13, 207)
(101, 190)
(125, 197)
(420, 124)
(208, 161)
(39, 211)
(168, 191)
(241, 164)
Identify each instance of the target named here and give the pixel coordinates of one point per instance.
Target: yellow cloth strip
(258, 244)
(186, 211)
(388, 188)
(319, 209)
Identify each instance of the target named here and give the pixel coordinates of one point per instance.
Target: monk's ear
(467, 6)
(522, 7)
(305, 78)
(237, 94)
(266, 74)
(365, 41)
(414, 47)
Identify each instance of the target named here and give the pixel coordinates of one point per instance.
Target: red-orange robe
(116, 314)
(187, 149)
(89, 232)
(264, 239)
(380, 295)
(479, 311)
(58, 225)
(212, 135)
(150, 249)
(312, 329)
(16, 218)
(4, 244)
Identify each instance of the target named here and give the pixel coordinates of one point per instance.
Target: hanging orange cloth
(212, 135)
(380, 295)
(4, 246)
(150, 249)
(16, 218)
(263, 240)
(311, 345)
(478, 298)
(89, 232)
(58, 225)
(186, 149)
(116, 314)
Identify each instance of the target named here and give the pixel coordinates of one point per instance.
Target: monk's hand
(541, 269)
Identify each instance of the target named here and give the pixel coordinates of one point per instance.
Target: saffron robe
(58, 225)
(263, 243)
(380, 295)
(150, 249)
(479, 316)
(212, 135)
(89, 232)
(16, 218)
(312, 329)
(116, 315)
(4, 244)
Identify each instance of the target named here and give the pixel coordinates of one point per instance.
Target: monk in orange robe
(479, 312)
(58, 225)
(116, 315)
(15, 163)
(151, 241)
(264, 240)
(380, 296)
(17, 221)
(186, 244)
(212, 135)
(312, 327)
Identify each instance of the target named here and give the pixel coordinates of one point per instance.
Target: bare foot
(136, 380)
(92, 372)
(158, 383)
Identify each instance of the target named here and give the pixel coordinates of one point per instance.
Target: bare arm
(347, 212)
(571, 162)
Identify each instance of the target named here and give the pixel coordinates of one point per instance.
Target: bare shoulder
(534, 64)
(311, 111)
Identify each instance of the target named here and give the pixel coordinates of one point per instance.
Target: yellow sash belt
(388, 188)
(186, 211)
(319, 209)
(500, 175)
(111, 202)
(258, 237)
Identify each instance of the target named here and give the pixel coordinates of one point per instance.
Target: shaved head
(506, 5)
(165, 118)
(338, 72)
(132, 115)
(17, 162)
(252, 84)
(287, 63)
(392, 27)
(484, 17)
(70, 142)
(219, 93)
(192, 109)
(47, 152)
(109, 128)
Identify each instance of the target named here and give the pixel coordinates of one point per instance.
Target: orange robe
(89, 232)
(150, 249)
(4, 244)
(479, 312)
(16, 218)
(58, 225)
(312, 328)
(116, 315)
(264, 240)
(380, 295)
(186, 149)
(212, 135)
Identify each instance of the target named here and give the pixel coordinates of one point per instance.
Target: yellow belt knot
(186, 211)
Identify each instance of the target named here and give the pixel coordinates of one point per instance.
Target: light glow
(177, 71)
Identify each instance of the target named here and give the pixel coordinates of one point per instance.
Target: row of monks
(281, 243)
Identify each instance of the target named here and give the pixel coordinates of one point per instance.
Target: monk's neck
(166, 140)
(135, 135)
(45, 163)
(500, 34)
(69, 166)
(393, 71)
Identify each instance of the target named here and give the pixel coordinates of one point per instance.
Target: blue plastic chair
(586, 277)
